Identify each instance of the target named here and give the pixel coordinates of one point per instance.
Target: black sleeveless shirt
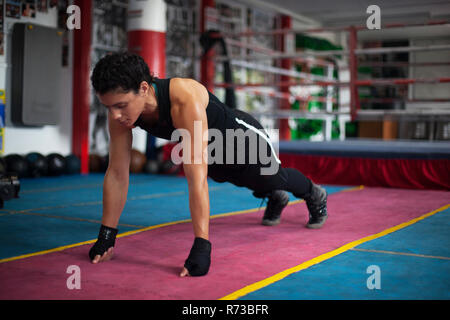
(219, 115)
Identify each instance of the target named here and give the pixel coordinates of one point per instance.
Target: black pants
(250, 174)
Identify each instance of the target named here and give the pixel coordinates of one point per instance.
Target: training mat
(146, 264)
(60, 211)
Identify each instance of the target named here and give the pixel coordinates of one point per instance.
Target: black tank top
(219, 115)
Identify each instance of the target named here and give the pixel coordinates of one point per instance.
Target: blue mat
(401, 276)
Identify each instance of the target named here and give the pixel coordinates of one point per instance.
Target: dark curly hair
(120, 70)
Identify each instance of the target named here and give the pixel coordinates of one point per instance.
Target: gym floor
(377, 244)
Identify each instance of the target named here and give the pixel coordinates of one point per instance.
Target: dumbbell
(9, 187)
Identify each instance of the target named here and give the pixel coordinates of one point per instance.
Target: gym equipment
(137, 161)
(9, 187)
(2, 166)
(168, 167)
(152, 167)
(199, 259)
(95, 163)
(37, 164)
(15, 163)
(35, 51)
(105, 240)
(105, 163)
(56, 164)
(73, 164)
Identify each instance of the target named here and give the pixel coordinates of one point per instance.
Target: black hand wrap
(199, 258)
(106, 239)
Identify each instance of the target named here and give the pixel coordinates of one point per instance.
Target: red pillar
(147, 28)
(207, 66)
(147, 33)
(81, 85)
(285, 131)
(353, 66)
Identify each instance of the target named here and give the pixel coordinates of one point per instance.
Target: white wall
(47, 139)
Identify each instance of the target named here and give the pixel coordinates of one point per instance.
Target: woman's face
(123, 107)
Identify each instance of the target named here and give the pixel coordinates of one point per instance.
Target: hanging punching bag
(207, 40)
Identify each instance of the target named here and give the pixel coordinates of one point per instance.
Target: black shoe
(316, 202)
(278, 200)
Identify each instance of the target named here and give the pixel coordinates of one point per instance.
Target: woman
(184, 108)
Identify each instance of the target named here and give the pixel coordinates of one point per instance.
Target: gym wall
(49, 138)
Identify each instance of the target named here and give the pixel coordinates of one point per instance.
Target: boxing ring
(388, 207)
(385, 162)
(395, 164)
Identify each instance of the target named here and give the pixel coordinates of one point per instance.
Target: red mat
(146, 265)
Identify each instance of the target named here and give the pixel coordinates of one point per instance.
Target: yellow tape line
(277, 277)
